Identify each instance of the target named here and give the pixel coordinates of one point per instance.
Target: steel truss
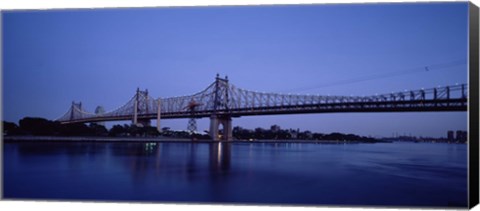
(224, 98)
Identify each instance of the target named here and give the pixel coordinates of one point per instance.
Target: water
(381, 174)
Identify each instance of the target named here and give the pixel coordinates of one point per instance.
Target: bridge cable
(429, 68)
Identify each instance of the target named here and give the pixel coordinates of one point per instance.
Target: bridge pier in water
(226, 122)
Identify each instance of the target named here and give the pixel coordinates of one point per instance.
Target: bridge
(221, 101)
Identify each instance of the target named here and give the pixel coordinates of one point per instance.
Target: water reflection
(189, 160)
(220, 154)
(141, 160)
(46, 148)
(351, 174)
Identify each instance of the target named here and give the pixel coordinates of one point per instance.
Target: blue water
(384, 174)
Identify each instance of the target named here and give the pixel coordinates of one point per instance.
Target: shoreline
(158, 139)
(92, 139)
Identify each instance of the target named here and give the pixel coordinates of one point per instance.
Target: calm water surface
(394, 174)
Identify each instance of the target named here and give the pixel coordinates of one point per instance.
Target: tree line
(42, 127)
(288, 134)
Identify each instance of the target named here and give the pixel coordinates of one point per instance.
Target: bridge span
(221, 101)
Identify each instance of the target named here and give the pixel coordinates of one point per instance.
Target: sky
(100, 57)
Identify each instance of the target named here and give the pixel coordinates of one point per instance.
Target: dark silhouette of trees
(43, 127)
(76, 129)
(39, 126)
(98, 130)
(276, 133)
(11, 128)
(117, 130)
(133, 131)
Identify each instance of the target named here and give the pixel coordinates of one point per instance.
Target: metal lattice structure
(222, 98)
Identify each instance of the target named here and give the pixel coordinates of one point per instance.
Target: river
(380, 174)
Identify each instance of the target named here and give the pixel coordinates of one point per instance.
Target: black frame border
(473, 114)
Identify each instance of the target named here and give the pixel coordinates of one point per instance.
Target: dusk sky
(101, 56)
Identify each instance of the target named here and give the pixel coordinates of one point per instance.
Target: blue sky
(100, 57)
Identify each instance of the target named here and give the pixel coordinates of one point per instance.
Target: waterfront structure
(221, 101)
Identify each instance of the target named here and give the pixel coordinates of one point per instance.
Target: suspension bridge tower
(141, 106)
(221, 115)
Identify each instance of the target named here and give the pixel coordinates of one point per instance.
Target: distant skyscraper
(450, 135)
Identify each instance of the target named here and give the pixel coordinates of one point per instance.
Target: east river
(380, 174)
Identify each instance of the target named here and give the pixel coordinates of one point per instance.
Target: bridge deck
(364, 107)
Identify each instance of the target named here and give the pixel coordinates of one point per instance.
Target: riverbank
(153, 139)
(93, 139)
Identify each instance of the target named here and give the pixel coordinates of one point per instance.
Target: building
(450, 135)
(461, 136)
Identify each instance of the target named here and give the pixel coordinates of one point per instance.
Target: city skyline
(99, 57)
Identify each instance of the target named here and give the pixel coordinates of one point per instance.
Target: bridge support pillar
(226, 122)
(135, 114)
(159, 129)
